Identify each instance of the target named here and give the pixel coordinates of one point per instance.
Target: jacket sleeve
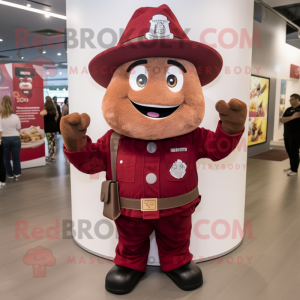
(94, 157)
(214, 145)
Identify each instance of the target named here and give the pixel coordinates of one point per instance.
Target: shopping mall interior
(98, 200)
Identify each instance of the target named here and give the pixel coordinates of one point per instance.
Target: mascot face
(26, 85)
(154, 98)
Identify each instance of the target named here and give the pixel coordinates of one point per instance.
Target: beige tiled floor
(42, 195)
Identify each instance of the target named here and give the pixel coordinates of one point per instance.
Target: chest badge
(178, 169)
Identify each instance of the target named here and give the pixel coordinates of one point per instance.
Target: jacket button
(151, 147)
(151, 178)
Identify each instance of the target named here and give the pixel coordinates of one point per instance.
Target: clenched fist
(233, 115)
(73, 129)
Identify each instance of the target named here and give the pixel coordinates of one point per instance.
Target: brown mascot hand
(73, 129)
(233, 115)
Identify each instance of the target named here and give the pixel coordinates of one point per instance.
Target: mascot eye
(171, 81)
(138, 78)
(174, 78)
(141, 80)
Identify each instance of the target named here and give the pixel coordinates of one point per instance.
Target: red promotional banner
(6, 83)
(295, 71)
(28, 103)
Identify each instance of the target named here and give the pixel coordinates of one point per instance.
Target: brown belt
(154, 204)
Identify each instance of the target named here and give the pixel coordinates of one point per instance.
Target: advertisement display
(25, 87)
(258, 110)
(28, 95)
(6, 83)
(282, 99)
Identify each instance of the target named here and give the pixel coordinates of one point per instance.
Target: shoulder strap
(114, 145)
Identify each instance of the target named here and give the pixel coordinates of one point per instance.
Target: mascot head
(154, 77)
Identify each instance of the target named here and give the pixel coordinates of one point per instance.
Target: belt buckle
(149, 204)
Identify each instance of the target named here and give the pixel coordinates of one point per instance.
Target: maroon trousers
(172, 237)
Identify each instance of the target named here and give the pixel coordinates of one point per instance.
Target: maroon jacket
(136, 159)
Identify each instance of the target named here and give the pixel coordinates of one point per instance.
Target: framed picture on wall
(282, 99)
(258, 110)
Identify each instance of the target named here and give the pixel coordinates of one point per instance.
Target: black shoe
(187, 277)
(122, 280)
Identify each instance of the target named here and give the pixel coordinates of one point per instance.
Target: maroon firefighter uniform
(155, 169)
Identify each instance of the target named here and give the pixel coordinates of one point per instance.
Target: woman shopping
(65, 109)
(11, 141)
(50, 117)
(2, 168)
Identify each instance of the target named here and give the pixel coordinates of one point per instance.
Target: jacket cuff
(79, 157)
(227, 140)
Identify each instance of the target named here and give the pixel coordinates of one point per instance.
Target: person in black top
(65, 109)
(59, 113)
(1, 77)
(50, 117)
(291, 121)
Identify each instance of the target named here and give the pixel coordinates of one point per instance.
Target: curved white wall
(223, 186)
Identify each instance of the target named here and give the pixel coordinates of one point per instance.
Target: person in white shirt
(2, 168)
(11, 141)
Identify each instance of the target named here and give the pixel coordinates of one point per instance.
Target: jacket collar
(172, 138)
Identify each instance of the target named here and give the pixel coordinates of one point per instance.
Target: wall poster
(282, 99)
(258, 110)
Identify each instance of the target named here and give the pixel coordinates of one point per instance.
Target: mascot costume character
(154, 104)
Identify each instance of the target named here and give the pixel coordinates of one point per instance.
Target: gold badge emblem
(149, 204)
